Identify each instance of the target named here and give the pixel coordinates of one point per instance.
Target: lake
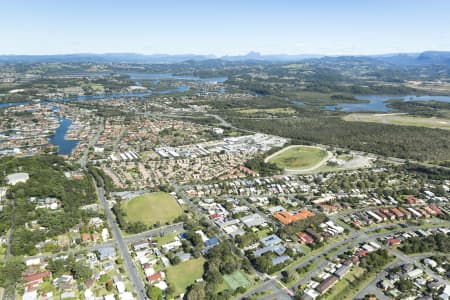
(378, 102)
(65, 147)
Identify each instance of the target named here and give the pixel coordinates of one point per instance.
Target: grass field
(236, 279)
(399, 119)
(280, 110)
(152, 208)
(298, 157)
(184, 274)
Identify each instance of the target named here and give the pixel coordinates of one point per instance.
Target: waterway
(65, 147)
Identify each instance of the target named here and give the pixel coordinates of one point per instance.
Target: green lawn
(236, 279)
(184, 274)
(299, 157)
(167, 238)
(152, 208)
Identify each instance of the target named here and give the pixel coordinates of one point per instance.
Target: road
(117, 235)
(84, 159)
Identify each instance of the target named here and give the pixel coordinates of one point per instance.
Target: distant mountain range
(424, 58)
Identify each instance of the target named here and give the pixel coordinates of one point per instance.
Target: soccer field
(152, 208)
(299, 157)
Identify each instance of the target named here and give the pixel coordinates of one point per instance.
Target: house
(68, 295)
(30, 295)
(32, 281)
(253, 220)
(85, 237)
(362, 253)
(106, 253)
(105, 234)
(445, 293)
(33, 262)
(172, 245)
(154, 277)
(162, 285)
(386, 284)
(342, 271)
(140, 245)
(183, 256)
(280, 259)
(120, 286)
(431, 263)
(126, 296)
(287, 218)
(314, 235)
(393, 242)
(63, 279)
(271, 240)
(327, 284)
(310, 294)
(415, 273)
(304, 238)
(211, 242)
(16, 178)
(278, 249)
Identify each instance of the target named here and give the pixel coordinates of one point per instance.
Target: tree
(11, 272)
(405, 285)
(196, 292)
(56, 267)
(154, 293)
(214, 277)
(81, 271)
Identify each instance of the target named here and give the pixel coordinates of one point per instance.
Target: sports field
(184, 274)
(235, 280)
(400, 119)
(152, 208)
(299, 157)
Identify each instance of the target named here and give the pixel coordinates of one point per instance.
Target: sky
(224, 27)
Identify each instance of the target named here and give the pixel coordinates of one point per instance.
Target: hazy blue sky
(224, 27)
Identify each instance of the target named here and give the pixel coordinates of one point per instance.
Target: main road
(129, 265)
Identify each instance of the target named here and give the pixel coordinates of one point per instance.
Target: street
(123, 248)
